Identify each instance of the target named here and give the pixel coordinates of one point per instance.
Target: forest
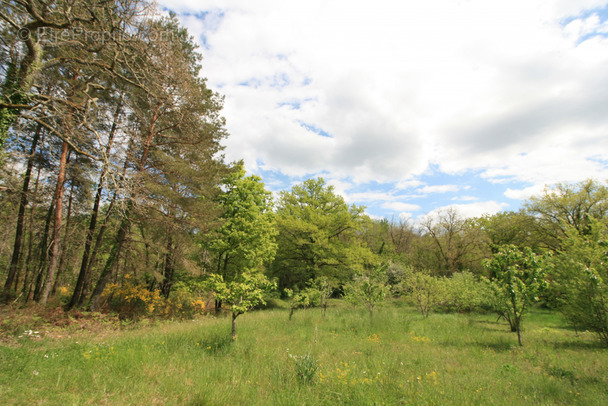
(115, 197)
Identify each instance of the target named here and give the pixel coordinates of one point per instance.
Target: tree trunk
(234, 316)
(54, 254)
(64, 247)
(29, 261)
(80, 289)
(519, 335)
(106, 273)
(169, 269)
(13, 267)
(126, 222)
(43, 248)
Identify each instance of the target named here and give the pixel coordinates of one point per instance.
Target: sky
(411, 107)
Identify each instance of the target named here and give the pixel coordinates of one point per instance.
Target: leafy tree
(508, 227)
(246, 238)
(456, 241)
(564, 206)
(368, 288)
(241, 294)
(518, 278)
(580, 278)
(318, 236)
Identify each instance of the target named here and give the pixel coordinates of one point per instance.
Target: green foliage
(517, 228)
(518, 277)
(322, 288)
(425, 291)
(464, 292)
(318, 236)
(300, 300)
(246, 238)
(368, 288)
(565, 206)
(241, 294)
(306, 367)
(580, 277)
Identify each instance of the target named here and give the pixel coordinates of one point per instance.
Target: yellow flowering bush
(133, 300)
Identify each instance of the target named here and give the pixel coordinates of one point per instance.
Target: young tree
(246, 238)
(425, 290)
(518, 277)
(368, 288)
(323, 287)
(300, 300)
(242, 294)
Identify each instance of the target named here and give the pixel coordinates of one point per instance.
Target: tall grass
(396, 358)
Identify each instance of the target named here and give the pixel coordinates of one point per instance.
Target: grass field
(398, 358)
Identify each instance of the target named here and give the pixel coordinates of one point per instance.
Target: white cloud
(400, 207)
(439, 189)
(523, 194)
(466, 198)
(470, 210)
(513, 90)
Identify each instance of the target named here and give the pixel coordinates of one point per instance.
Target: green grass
(398, 358)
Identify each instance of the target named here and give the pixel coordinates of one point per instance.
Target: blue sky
(411, 107)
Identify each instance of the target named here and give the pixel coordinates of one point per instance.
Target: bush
(425, 291)
(465, 293)
(132, 300)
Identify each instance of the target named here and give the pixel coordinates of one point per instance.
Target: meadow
(341, 359)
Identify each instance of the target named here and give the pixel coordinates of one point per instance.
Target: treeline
(114, 193)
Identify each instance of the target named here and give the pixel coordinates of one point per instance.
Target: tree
(317, 236)
(242, 294)
(425, 290)
(175, 164)
(246, 238)
(323, 287)
(368, 288)
(580, 278)
(508, 227)
(456, 240)
(300, 300)
(564, 206)
(518, 277)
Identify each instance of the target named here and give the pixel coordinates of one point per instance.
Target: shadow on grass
(580, 344)
(217, 344)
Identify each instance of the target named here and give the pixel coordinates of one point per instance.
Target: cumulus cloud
(380, 91)
(439, 189)
(470, 210)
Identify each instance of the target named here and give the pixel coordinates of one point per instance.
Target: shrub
(305, 367)
(425, 291)
(133, 300)
(465, 293)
